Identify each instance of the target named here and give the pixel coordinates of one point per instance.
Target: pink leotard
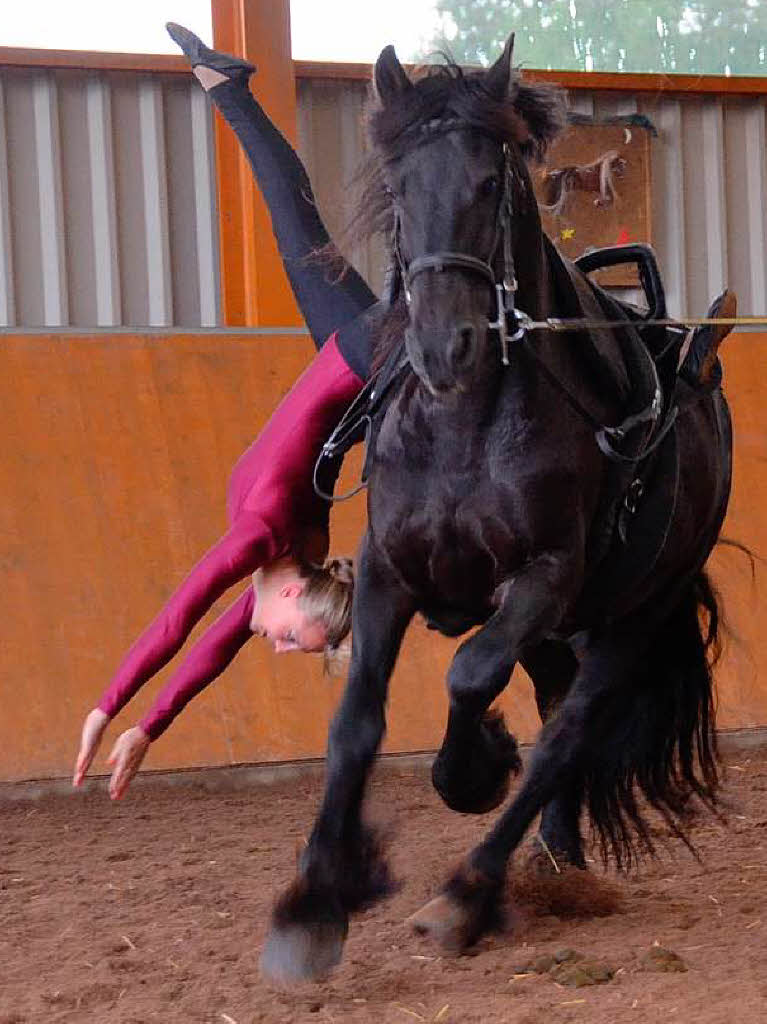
(270, 503)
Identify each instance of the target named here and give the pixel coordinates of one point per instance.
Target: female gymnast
(278, 527)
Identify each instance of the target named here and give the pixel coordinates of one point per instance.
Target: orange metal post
(255, 289)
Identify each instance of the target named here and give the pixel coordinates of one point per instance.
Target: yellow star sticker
(567, 234)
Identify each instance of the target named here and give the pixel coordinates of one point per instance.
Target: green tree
(697, 37)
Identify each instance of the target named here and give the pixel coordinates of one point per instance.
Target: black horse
(559, 490)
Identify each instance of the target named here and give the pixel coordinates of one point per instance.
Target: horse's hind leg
(470, 902)
(552, 666)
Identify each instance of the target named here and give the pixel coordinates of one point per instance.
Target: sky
(341, 30)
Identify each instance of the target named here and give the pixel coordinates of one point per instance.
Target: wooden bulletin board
(584, 219)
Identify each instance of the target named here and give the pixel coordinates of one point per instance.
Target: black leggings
(343, 305)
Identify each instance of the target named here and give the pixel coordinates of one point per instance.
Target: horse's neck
(543, 291)
(589, 364)
(545, 288)
(535, 294)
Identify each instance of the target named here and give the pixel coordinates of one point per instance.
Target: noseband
(404, 274)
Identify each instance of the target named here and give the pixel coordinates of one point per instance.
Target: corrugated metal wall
(107, 205)
(331, 144)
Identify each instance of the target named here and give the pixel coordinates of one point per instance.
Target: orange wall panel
(742, 677)
(115, 457)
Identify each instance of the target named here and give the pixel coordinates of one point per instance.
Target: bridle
(513, 324)
(404, 274)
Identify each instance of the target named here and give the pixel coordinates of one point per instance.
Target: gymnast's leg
(325, 304)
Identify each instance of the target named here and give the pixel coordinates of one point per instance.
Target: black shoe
(197, 53)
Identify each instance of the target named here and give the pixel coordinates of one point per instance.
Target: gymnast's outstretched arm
(207, 659)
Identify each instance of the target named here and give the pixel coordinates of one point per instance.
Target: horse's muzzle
(445, 359)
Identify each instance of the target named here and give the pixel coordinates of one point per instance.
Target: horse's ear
(390, 78)
(499, 75)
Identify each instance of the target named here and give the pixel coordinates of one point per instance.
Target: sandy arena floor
(155, 910)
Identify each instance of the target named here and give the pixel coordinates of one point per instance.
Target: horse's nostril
(462, 344)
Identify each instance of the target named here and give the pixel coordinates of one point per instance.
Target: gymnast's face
(278, 617)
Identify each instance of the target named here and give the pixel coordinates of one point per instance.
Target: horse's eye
(488, 187)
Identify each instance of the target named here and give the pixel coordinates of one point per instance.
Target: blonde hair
(327, 598)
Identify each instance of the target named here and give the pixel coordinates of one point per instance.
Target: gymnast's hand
(93, 730)
(126, 757)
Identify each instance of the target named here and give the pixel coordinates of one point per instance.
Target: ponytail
(327, 598)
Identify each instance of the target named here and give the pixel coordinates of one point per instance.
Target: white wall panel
(91, 166)
(24, 198)
(50, 197)
(668, 203)
(103, 203)
(206, 220)
(154, 176)
(714, 197)
(739, 221)
(7, 298)
(77, 184)
(756, 199)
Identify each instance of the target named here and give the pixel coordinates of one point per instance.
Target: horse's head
(452, 149)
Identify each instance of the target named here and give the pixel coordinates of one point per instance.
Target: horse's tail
(660, 737)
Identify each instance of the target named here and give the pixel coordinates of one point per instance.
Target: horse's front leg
(467, 770)
(342, 869)
(472, 769)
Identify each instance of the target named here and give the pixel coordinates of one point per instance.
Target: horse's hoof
(307, 934)
(444, 921)
(478, 782)
(468, 908)
(483, 805)
(302, 952)
(471, 802)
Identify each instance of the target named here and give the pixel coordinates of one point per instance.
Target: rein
(563, 324)
(358, 421)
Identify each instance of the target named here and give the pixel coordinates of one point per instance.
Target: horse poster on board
(594, 191)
